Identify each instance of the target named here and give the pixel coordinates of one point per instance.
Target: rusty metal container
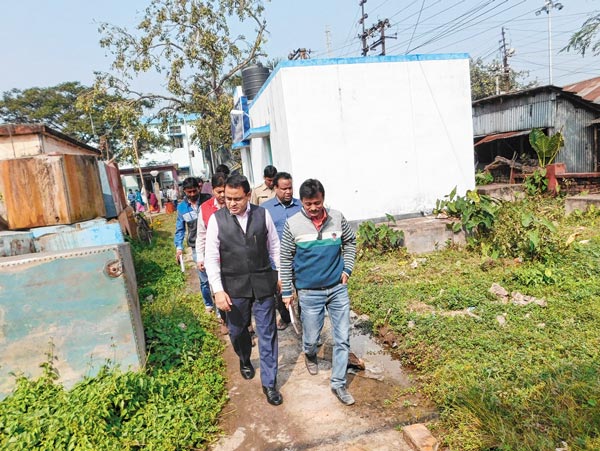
(49, 190)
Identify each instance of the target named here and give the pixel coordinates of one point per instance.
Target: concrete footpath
(311, 417)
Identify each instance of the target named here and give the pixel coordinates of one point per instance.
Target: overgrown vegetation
(381, 238)
(172, 405)
(506, 375)
(483, 178)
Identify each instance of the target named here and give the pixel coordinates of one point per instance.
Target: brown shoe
(312, 364)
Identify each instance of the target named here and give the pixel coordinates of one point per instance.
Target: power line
(416, 24)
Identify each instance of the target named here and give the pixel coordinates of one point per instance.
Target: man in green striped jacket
(318, 248)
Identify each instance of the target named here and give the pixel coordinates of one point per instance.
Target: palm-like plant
(546, 147)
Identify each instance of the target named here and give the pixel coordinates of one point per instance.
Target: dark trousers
(282, 309)
(238, 320)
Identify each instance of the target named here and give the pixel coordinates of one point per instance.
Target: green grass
(173, 404)
(527, 385)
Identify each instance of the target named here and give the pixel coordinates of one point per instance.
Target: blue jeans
(204, 285)
(337, 302)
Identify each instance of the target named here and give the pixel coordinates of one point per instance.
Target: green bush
(381, 238)
(528, 229)
(476, 212)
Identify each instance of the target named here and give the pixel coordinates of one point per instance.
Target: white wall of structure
(183, 151)
(389, 134)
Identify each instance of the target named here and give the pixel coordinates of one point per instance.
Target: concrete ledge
(428, 234)
(581, 203)
(419, 437)
(502, 191)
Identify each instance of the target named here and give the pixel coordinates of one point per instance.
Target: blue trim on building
(240, 145)
(358, 60)
(258, 132)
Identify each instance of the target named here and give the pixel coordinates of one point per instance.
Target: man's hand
(288, 301)
(201, 266)
(279, 286)
(344, 278)
(179, 255)
(223, 301)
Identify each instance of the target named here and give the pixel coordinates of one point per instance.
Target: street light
(547, 8)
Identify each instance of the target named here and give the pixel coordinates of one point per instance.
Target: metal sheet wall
(579, 153)
(514, 114)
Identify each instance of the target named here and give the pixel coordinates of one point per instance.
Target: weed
(380, 238)
(528, 385)
(483, 178)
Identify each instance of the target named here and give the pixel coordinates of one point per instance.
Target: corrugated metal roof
(496, 136)
(587, 89)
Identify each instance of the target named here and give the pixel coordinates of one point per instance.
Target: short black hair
(270, 171)
(222, 168)
(281, 175)
(190, 182)
(218, 180)
(237, 181)
(310, 188)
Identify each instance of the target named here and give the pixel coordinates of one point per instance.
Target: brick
(419, 437)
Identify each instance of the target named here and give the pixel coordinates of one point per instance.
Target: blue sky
(46, 42)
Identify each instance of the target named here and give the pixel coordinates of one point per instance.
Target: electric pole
(363, 36)
(506, 54)
(328, 40)
(380, 26)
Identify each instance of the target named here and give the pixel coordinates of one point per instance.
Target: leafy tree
(75, 110)
(585, 39)
(483, 79)
(54, 106)
(190, 43)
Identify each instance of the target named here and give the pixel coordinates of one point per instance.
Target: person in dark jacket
(241, 243)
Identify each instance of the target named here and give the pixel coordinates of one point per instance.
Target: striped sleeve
(348, 246)
(286, 267)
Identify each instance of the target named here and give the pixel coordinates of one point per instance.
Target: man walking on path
(241, 243)
(207, 208)
(265, 191)
(282, 207)
(319, 248)
(187, 218)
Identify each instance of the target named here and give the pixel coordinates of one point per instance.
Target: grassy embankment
(505, 376)
(171, 405)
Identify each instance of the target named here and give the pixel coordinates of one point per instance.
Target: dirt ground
(311, 417)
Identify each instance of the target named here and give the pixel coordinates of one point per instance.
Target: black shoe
(343, 395)
(246, 370)
(312, 364)
(273, 395)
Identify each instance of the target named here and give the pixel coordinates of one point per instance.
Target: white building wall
(383, 134)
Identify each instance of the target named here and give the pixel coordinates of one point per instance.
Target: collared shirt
(201, 232)
(318, 222)
(280, 212)
(212, 257)
(261, 194)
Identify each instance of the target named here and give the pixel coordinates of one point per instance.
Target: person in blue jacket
(188, 211)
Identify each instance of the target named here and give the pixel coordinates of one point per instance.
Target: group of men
(257, 253)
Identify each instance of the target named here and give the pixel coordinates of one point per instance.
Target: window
(175, 130)
(177, 141)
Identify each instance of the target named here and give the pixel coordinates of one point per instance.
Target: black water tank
(253, 77)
